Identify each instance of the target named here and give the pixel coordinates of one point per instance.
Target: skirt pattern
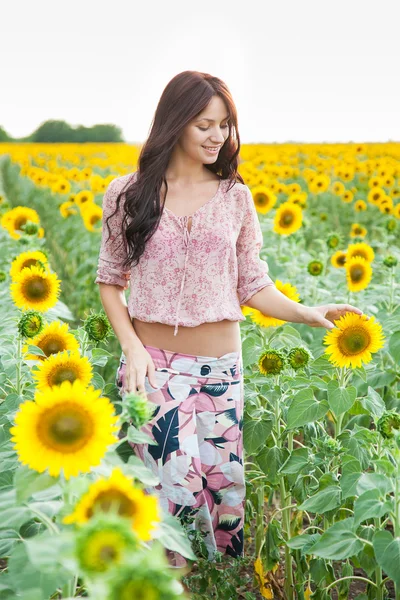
(198, 426)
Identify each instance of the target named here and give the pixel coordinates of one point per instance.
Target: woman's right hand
(138, 364)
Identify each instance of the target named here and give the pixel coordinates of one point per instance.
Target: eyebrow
(211, 120)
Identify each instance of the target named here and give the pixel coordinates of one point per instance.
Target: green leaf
(255, 434)
(303, 542)
(322, 501)
(373, 403)
(340, 399)
(172, 535)
(369, 505)
(27, 482)
(36, 350)
(8, 539)
(305, 408)
(338, 542)
(371, 481)
(296, 461)
(270, 461)
(394, 346)
(136, 436)
(387, 553)
(348, 484)
(137, 469)
(100, 357)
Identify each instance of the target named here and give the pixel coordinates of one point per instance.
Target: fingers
(151, 370)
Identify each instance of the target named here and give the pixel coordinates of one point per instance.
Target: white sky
(302, 70)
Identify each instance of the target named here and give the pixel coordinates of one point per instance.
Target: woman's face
(209, 129)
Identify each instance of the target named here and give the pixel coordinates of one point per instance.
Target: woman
(187, 238)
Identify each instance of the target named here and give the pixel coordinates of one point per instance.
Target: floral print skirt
(199, 453)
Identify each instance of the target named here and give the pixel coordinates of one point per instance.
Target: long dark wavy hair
(184, 97)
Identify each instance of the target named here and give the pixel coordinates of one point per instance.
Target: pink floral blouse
(188, 278)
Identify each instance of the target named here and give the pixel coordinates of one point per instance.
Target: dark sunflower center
(354, 340)
(63, 373)
(108, 553)
(270, 363)
(287, 218)
(341, 260)
(113, 499)
(261, 199)
(357, 273)
(52, 346)
(94, 219)
(36, 288)
(19, 222)
(30, 262)
(65, 428)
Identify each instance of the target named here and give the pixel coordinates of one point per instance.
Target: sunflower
(333, 240)
(97, 326)
(315, 267)
(347, 196)
(375, 195)
(360, 205)
(338, 188)
(320, 183)
(358, 230)
(374, 182)
(271, 362)
(299, 198)
(386, 205)
(118, 494)
(338, 259)
(15, 218)
(288, 218)
(63, 366)
(145, 579)
(299, 357)
(30, 324)
(54, 338)
(266, 321)
(28, 259)
(61, 186)
(84, 197)
(353, 340)
(361, 249)
(92, 217)
(67, 209)
(358, 273)
(396, 212)
(293, 188)
(34, 288)
(67, 427)
(264, 198)
(103, 541)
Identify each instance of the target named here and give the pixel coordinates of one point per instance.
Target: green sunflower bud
(315, 267)
(333, 240)
(139, 409)
(390, 261)
(271, 362)
(391, 225)
(97, 326)
(30, 324)
(299, 357)
(30, 228)
(3, 276)
(387, 422)
(103, 542)
(24, 241)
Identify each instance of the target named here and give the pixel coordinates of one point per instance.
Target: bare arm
(114, 303)
(270, 301)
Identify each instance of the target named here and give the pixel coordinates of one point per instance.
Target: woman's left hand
(325, 315)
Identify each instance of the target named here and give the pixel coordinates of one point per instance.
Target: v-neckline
(200, 208)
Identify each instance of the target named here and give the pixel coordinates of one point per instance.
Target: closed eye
(205, 128)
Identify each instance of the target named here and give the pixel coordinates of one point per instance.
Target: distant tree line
(53, 131)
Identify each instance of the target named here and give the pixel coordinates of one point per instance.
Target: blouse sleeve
(112, 248)
(252, 270)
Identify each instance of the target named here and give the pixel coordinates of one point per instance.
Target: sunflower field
(321, 427)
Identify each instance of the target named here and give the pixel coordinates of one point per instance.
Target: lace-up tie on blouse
(189, 277)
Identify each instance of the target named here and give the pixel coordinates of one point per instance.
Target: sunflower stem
(18, 369)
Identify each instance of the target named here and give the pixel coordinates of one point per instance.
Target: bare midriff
(208, 339)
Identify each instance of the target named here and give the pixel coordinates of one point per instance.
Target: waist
(212, 339)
